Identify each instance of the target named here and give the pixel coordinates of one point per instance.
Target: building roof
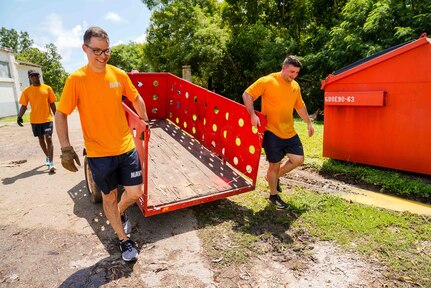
(8, 50)
(28, 64)
(375, 59)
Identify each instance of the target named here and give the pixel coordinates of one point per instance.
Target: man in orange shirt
(280, 95)
(97, 90)
(42, 101)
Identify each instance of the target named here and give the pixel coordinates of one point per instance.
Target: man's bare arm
(62, 129)
(302, 112)
(248, 103)
(140, 108)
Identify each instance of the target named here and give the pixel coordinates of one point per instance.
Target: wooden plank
(180, 168)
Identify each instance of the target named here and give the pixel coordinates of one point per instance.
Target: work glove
(68, 156)
(19, 121)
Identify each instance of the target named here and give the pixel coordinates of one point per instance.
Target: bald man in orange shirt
(280, 95)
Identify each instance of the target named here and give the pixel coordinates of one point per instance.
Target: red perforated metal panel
(219, 124)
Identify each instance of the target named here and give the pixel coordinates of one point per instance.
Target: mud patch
(322, 266)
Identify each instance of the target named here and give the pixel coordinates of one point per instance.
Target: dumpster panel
(394, 135)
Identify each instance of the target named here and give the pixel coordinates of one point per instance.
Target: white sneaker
(128, 250)
(47, 162)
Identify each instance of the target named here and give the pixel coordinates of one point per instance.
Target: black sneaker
(127, 226)
(276, 200)
(278, 186)
(129, 253)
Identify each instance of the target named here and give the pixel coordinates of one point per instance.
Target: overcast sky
(64, 22)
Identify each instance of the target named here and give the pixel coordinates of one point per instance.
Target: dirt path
(52, 236)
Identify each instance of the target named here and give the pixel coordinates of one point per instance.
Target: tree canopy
(129, 56)
(231, 43)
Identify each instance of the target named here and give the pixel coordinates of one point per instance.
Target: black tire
(93, 190)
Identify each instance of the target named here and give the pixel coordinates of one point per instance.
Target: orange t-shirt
(279, 98)
(40, 98)
(98, 96)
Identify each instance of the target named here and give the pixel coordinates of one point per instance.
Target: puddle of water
(387, 201)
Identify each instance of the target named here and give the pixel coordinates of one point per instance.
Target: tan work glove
(68, 155)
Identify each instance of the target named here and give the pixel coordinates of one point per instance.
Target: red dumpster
(378, 110)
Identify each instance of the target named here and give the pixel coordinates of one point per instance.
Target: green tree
(369, 26)
(129, 56)
(11, 39)
(257, 34)
(186, 33)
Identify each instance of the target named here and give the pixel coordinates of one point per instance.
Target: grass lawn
(26, 118)
(235, 230)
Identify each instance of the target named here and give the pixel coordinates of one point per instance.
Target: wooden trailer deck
(181, 169)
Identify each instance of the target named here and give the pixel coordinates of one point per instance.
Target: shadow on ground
(268, 221)
(33, 172)
(145, 232)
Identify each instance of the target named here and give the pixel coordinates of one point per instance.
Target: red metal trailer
(200, 146)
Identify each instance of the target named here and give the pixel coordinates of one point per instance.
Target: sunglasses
(99, 52)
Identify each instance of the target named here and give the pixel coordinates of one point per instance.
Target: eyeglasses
(99, 52)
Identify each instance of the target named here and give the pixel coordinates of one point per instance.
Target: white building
(13, 79)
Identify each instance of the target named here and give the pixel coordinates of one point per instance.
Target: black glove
(19, 121)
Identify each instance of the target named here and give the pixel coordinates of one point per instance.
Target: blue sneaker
(47, 162)
(51, 167)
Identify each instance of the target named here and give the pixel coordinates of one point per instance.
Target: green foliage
(246, 60)
(397, 240)
(229, 44)
(186, 33)
(389, 180)
(18, 42)
(129, 56)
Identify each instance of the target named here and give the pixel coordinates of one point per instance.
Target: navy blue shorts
(276, 148)
(39, 130)
(109, 172)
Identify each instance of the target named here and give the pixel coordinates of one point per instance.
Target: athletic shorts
(39, 130)
(276, 148)
(109, 172)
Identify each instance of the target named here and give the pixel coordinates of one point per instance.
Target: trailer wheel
(94, 191)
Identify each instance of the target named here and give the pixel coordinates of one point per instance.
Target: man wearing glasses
(97, 89)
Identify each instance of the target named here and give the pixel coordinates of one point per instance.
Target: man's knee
(134, 192)
(110, 198)
(297, 160)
